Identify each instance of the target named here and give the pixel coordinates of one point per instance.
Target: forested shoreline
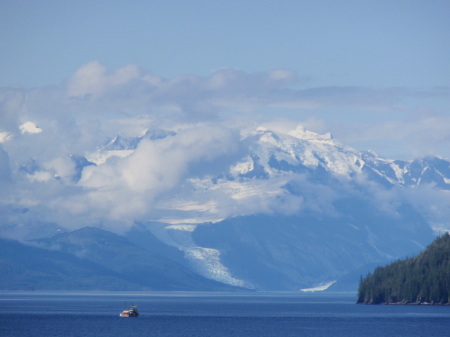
(424, 279)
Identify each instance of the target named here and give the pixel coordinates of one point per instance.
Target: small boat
(132, 312)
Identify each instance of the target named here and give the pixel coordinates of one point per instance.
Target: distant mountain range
(93, 259)
(289, 212)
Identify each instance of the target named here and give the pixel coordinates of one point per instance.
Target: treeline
(422, 279)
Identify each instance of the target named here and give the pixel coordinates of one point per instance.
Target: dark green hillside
(422, 279)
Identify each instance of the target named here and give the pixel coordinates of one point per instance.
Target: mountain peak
(301, 133)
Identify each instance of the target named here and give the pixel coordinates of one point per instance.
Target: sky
(356, 43)
(73, 74)
(375, 73)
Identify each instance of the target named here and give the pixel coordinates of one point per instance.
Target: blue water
(206, 314)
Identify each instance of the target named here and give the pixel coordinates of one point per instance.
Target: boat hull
(132, 312)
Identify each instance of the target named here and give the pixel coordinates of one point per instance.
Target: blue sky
(362, 43)
(374, 73)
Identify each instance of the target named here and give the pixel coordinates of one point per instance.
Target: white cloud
(40, 176)
(30, 127)
(62, 168)
(5, 136)
(406, 138)
(124, 189)
(129, 89)
(94, 79)
(210, 115)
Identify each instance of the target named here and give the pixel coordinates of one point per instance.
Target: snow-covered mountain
(124, 146)
(332, 210)
(276, 211)
(304, 151)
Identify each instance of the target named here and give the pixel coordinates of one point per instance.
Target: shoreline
(404, 303)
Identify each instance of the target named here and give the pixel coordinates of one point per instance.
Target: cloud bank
(47, 133)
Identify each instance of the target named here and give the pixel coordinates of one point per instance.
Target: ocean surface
(213, 314)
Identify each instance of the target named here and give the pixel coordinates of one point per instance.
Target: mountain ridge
(298, 208)
(27, 267)
(135, 264)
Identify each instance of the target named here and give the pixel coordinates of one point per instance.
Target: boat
(132, 312)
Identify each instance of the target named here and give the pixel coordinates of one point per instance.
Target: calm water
(201, 314)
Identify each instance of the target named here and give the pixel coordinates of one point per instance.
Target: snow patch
(261, 129)
(201, 218)
(187, 228)
(301, 133)
(207, 263)
(100, 157)
(210, 206)
(243, 167)
(398, 173)
(320, 287)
